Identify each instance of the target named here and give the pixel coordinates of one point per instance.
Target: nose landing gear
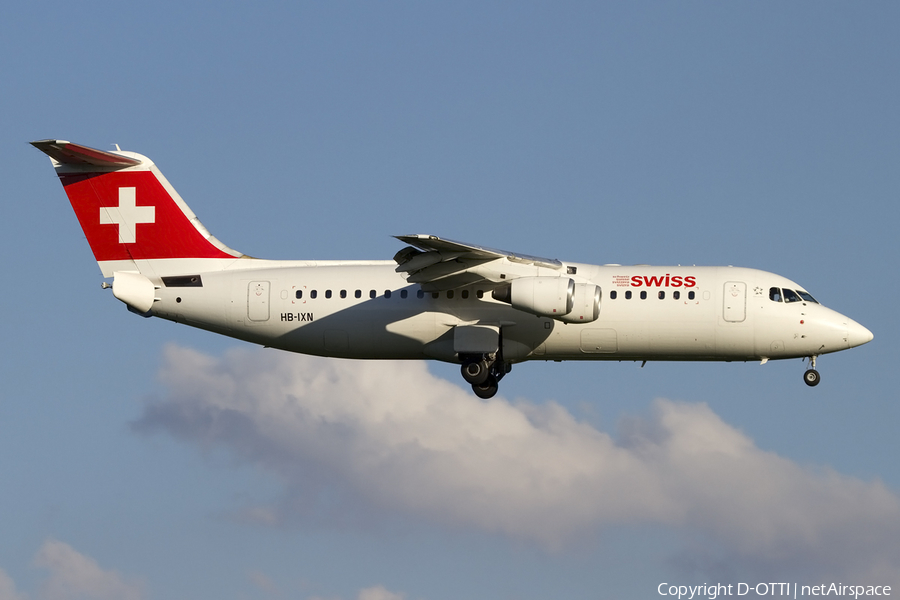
(811, 377)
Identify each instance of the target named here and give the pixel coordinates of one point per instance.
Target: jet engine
(542, 296)
(555, 297)
(585, 304)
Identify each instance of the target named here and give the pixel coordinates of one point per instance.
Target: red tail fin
(127, 209)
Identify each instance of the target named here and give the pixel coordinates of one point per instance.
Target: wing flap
(464, 250)
(440, 264)
(456, 281)
(436, 272)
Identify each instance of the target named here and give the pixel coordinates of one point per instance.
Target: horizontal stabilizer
(75, 154)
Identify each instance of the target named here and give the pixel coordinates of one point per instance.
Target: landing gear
(487, 389)
(483, 372)
(476, 372)
(812, 377)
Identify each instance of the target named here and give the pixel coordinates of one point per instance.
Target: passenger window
(691, 295)
(299, 294)
(328, 293)
(661, 295)
(628, 295)
(403, 293)
(435, 295)
(612, 295)
(343, 293)
(480, 294)
(372, 293)
(450, 294)
(420, 294)
(775, 294)
(676, 295)
(358, 293)
(643, 294)
(791, 296)
(313, 294)
(387, 293)
(465, 294)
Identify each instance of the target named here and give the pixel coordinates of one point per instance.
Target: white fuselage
(358, 309)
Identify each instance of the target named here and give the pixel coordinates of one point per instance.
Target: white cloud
(8, 588)
(74, 576)
(263, 582)
(378, 592)
(391, 436)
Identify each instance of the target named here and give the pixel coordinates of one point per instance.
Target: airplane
(439, 299)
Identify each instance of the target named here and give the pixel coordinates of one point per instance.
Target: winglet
(75, 154)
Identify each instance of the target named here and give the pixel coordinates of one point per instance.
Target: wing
(440, 264)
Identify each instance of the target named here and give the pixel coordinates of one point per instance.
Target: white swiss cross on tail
(127, 215)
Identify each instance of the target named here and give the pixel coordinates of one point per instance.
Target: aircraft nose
(857, 334)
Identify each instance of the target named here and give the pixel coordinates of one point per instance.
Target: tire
(476, 372)
(811, 378)
(487, 389)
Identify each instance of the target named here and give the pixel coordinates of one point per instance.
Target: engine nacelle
(543, 296)
(585, 305)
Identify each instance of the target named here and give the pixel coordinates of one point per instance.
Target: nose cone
(857, 335)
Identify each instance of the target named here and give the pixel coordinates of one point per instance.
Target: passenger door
(734, 301)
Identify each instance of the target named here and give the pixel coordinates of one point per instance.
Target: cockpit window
(775, 294)
(791, 296)
(807, 296)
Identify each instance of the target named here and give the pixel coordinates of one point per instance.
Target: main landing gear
(812, 377)
(483, 372)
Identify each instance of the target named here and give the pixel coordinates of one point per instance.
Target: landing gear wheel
(487, 389)
(811, 377)
(476, 373)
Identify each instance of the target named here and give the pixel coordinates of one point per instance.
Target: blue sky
(756, 134)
